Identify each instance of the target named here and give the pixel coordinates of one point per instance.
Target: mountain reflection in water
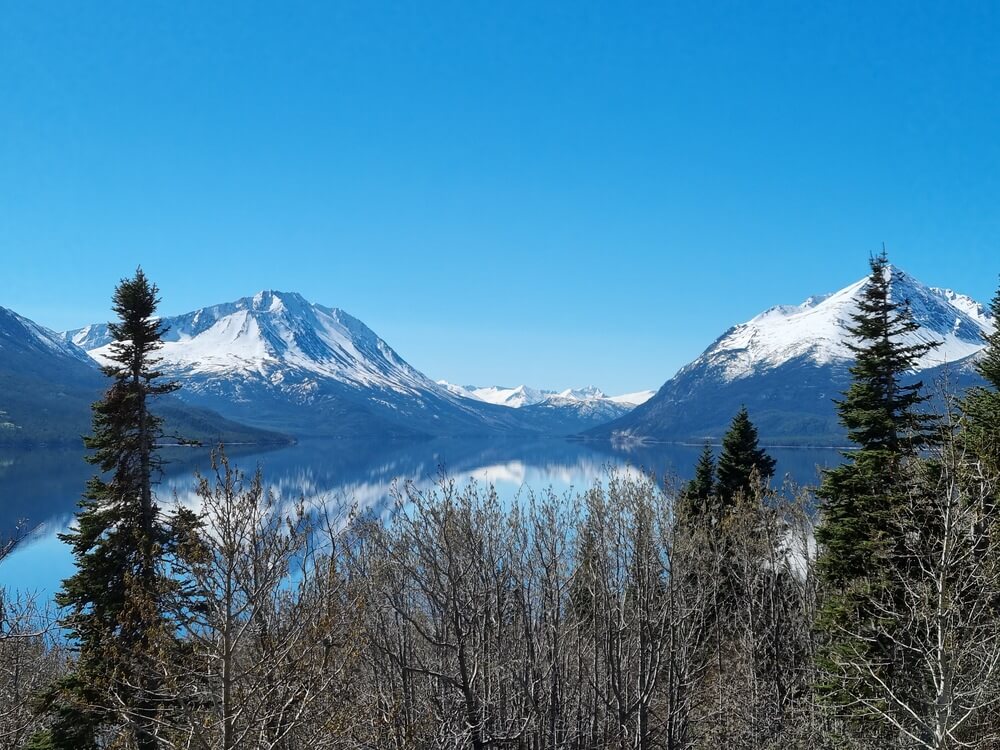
(41, 487)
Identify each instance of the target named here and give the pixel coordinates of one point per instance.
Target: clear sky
(541, 192)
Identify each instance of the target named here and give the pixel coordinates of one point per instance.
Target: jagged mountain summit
(270, 334)
(817, 329)
(789, 363)
(514, 398)
(279, 361)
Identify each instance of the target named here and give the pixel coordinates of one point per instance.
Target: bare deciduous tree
(263, 650)
(30, 658)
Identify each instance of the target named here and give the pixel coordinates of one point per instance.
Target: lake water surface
(41, 487)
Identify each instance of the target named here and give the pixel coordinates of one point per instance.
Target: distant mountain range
(789, 363)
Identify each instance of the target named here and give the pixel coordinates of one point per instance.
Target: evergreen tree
(583, 588)
(860, 499)
(981, 406)
(741, 459)
(697, 494)
(115, 601)
(883, 419)
(742, 462)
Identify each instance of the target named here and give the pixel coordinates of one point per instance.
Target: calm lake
(41, 487)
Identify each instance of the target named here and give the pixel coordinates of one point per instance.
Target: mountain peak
(269, 336)
(269, 300)
(817, 329)
(274, 301)
(514, 397)
(789, 363)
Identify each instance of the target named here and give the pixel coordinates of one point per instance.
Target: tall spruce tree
(741, 459)
(115, 601)
(883, 420)
(861, 498)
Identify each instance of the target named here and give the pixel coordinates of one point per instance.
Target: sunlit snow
(817, 329)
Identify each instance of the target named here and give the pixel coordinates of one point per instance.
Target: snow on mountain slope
(636, 398)
(966, 304)
(602, 409)
(817, 330)
(278, 360)
(586, 393)
(47, 386)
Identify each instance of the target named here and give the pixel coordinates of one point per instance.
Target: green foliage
(697, 494)
(981, 406)
(879, 412)
(742, 459)
(883, 420)
(69, 705)
(40, 741)
(588, 566)
(861, 498)
(115, 601)
(989, 365)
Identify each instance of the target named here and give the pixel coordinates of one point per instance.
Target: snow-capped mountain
(789, 363)
(277, 360)
(817, 329)
(46, 387)
(634, 399)
(269, 335)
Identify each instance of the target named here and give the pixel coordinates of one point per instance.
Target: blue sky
(550, 193)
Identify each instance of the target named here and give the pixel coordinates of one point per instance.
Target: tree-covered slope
(48, 384)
